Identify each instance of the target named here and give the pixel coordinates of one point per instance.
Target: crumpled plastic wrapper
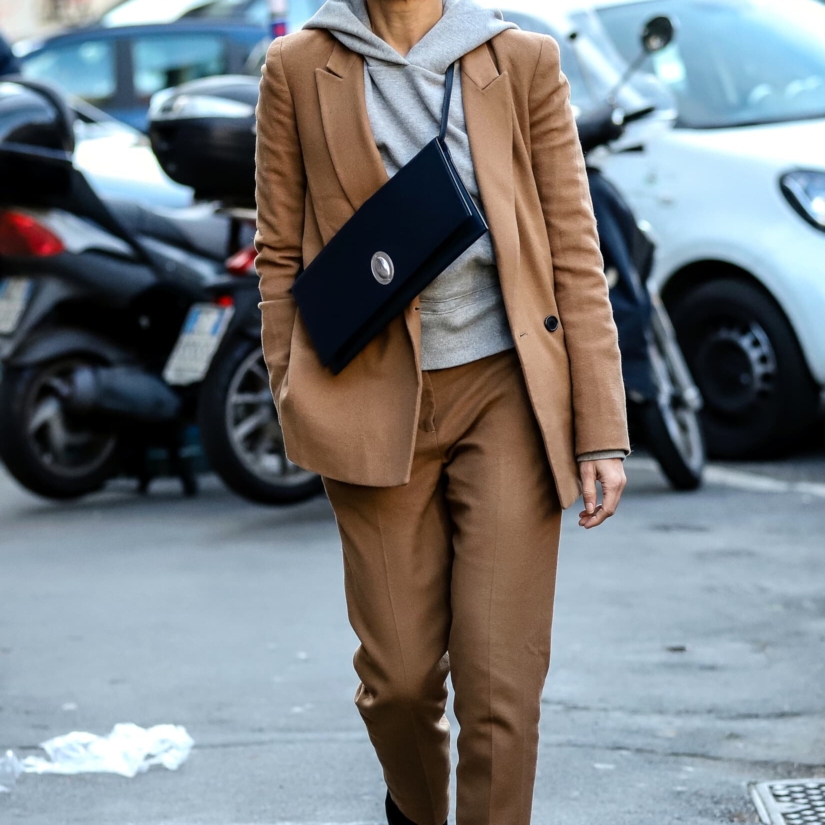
(127, 750)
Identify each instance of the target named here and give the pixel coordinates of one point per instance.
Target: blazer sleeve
(581, 291)
(280, 193)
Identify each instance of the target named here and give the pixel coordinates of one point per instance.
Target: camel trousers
(455, 573)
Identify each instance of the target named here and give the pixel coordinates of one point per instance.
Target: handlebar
(600, 126)
(606, 124)
(641, 113)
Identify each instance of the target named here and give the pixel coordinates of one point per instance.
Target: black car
(118, 69)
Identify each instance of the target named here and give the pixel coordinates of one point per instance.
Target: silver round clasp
(382, 267)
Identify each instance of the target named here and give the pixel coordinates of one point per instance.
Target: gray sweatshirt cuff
(600, 455)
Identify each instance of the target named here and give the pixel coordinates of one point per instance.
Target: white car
(734, 189)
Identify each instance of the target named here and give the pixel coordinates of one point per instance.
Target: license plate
(14, 296)
(197, 343)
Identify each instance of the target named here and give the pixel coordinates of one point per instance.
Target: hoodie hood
(464, 26)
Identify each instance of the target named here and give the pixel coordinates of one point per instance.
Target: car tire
(759, 397)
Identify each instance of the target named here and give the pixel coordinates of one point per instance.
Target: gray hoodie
(462, 311)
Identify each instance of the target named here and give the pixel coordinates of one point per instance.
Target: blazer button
(551, 323)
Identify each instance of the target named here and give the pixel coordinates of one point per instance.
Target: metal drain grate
(790, 802)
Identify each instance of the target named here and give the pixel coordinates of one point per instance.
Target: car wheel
(759, 397)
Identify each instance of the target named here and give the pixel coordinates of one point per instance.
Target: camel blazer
(317, 162)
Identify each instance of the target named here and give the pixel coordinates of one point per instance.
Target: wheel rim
(62, 442)
(253, 427)
(678, 413)
(735, 366)
(683, 426)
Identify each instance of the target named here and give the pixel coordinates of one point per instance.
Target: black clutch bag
(395, 245)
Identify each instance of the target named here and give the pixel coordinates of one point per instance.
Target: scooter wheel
(48, 450)
(240, 432)
(676, 444)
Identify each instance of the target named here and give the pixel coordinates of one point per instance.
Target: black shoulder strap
(448, 93)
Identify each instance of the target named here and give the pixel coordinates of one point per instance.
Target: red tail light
(21, 234)
(242, 262)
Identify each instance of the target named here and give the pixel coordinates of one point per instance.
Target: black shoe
(394, 816)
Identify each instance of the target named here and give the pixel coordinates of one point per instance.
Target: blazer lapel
(349, 137)
(488, 110)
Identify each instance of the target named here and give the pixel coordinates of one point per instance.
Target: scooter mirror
(657, 34)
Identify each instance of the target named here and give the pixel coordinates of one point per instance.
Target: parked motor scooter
(111, 316)
(203, 135)
(663, 399)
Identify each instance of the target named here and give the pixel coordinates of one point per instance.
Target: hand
(610, 472)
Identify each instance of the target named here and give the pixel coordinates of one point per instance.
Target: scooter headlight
(805, 191)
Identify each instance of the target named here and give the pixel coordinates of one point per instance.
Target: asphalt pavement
(689, 654)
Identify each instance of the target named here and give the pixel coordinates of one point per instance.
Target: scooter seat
(196, 229)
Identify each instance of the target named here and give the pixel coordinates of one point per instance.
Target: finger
(588, 476)
(591, 521)
(597, 519)
(611, 493)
